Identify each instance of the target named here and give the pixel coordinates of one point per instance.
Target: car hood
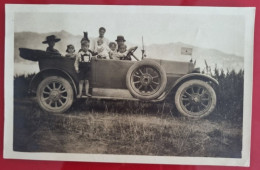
(175, 67)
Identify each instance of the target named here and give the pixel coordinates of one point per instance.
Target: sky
(221, 32)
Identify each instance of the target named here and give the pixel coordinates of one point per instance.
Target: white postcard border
(249, 14)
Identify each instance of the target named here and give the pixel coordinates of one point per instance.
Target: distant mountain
(213, 58)
(170, 51)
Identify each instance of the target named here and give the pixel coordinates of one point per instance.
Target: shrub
(21, 85)
(229, 93)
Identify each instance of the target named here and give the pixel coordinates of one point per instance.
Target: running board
(117, 94)
(109, 98)
(120, 98)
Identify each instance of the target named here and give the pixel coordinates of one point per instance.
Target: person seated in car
(82, 67)
(121, 44)
(70, 51)
(51, 40)
(113, 51)
(102, 50)
(122, 52)
(120, 40)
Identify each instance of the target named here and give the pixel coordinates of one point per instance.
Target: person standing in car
(101, 36)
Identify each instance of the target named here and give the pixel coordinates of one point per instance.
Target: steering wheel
(131, 53)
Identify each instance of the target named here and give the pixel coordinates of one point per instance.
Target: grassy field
(134, 128)
(97, 127)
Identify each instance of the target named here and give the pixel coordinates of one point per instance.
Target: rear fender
(50, 72)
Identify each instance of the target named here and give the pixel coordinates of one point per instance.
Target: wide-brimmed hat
(51, 38)
(120, 37)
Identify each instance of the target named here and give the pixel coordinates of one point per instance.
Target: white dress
(103, 51)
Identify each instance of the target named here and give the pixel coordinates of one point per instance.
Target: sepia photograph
(131, 84)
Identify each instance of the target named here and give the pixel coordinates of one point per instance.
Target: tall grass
(229, 97)
(137, 128)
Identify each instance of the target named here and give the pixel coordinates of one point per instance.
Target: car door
(109, 73)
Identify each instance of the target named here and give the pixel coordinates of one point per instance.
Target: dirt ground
(100, 129)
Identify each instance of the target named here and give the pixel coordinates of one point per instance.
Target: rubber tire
(66, 85)
(154, 65)
(190, 83)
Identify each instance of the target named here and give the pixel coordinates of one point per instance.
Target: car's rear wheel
(195, 99)
(55, 94)
(146, 80)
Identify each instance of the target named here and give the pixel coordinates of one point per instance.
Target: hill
(170, 51)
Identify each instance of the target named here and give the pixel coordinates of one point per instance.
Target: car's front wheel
(195, 99)
(55, 94)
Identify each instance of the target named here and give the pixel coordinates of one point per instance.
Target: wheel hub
(195, 98)
(146, 79)
(55, 95)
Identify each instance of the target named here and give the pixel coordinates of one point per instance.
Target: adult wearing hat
(121, 42)
(101, 36)
(51, 40)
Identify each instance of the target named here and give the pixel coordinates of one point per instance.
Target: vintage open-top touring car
(151, 80)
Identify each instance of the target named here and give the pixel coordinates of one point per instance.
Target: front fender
(195, 76)
(50, 72)
(187, 77)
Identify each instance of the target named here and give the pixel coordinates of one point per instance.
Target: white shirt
(82, 57)
(103, 50)
(105, 41)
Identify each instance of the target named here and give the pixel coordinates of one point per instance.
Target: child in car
(113, 52)
(102, 49)
(122, 52)
(70, 51)
(82, 67)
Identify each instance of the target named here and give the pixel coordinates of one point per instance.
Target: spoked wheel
(55, 94)
(146, 80)
(195, 98)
